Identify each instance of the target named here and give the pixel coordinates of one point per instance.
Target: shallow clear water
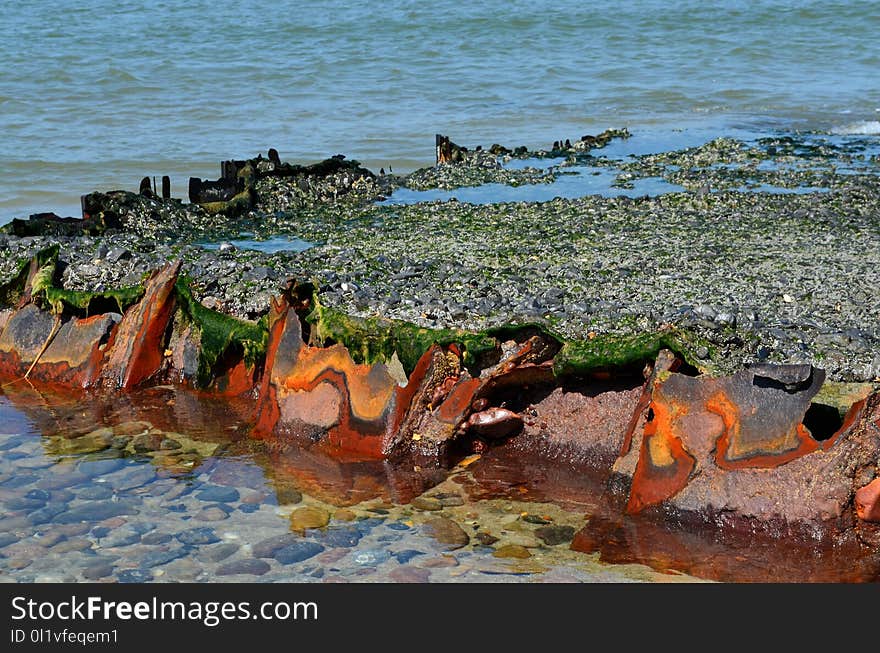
(97, 94)
(600, 173)
(165, 485)
(269, 245)
(573, 182)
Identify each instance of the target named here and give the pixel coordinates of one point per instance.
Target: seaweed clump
(221, 334)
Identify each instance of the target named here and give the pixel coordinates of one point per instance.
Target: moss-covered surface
(843, 395)
(84, 303)
(376, 339)
(606, 351)
(11, 290)
(368, 339)
(220, 334)
(238, 205)
(371, 340)
(43, 290)
(762, 276)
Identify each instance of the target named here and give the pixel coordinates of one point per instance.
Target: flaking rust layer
(756, 444)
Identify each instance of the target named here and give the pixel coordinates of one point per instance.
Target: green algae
(45, 261)
(843, 395)
(220, 333)
(45, 293)
(374, 339)
(368, 339)
(605, 351)
(377, 339)
(86, 303)
(238, 205)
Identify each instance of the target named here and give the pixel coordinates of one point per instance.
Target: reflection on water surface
(166, 485)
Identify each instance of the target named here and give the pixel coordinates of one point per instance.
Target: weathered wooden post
(195, 189)
(444, 151)
(228, 170)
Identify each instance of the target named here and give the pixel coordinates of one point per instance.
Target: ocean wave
(861, 128)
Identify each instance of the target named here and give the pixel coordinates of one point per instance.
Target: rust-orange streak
(406, 394)
(267, 412)
(351, 433)
(641, 407)
(652, 484)
(727, 410)
(97, 358)
(146, 355)
(853, 415)
(237, 381)
(867, 501)
(58, 377)
(153, 314)
(11, 365)
(59, 374)
(456, 405)
(85, 321)
(369, 396)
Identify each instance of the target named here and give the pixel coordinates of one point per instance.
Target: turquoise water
(97, 94)
(269, 245)
(574, 182)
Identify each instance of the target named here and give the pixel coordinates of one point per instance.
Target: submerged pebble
(447, 534)
(96, 511)
(212, 513)
(297, 552)
(95, 492)
(218, 552)
(135, 576)
(308, 517)
(554, 535)
(156, 538)
(266, 548)
(341, 537)
(409, 575)
(405, 556)
(370, 557)
(218, 493)
(198, 536)
(96, 571)
(512, 551)
(246, 566)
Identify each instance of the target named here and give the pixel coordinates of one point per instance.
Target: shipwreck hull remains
(755, 448)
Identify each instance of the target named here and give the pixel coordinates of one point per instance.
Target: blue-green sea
(95, 94)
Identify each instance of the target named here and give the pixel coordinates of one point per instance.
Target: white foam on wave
(862, 128)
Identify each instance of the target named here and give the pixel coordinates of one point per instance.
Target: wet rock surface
(762, 276)
(156, 538)
(744, 277)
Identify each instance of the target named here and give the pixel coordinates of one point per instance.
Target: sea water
(96, 94)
